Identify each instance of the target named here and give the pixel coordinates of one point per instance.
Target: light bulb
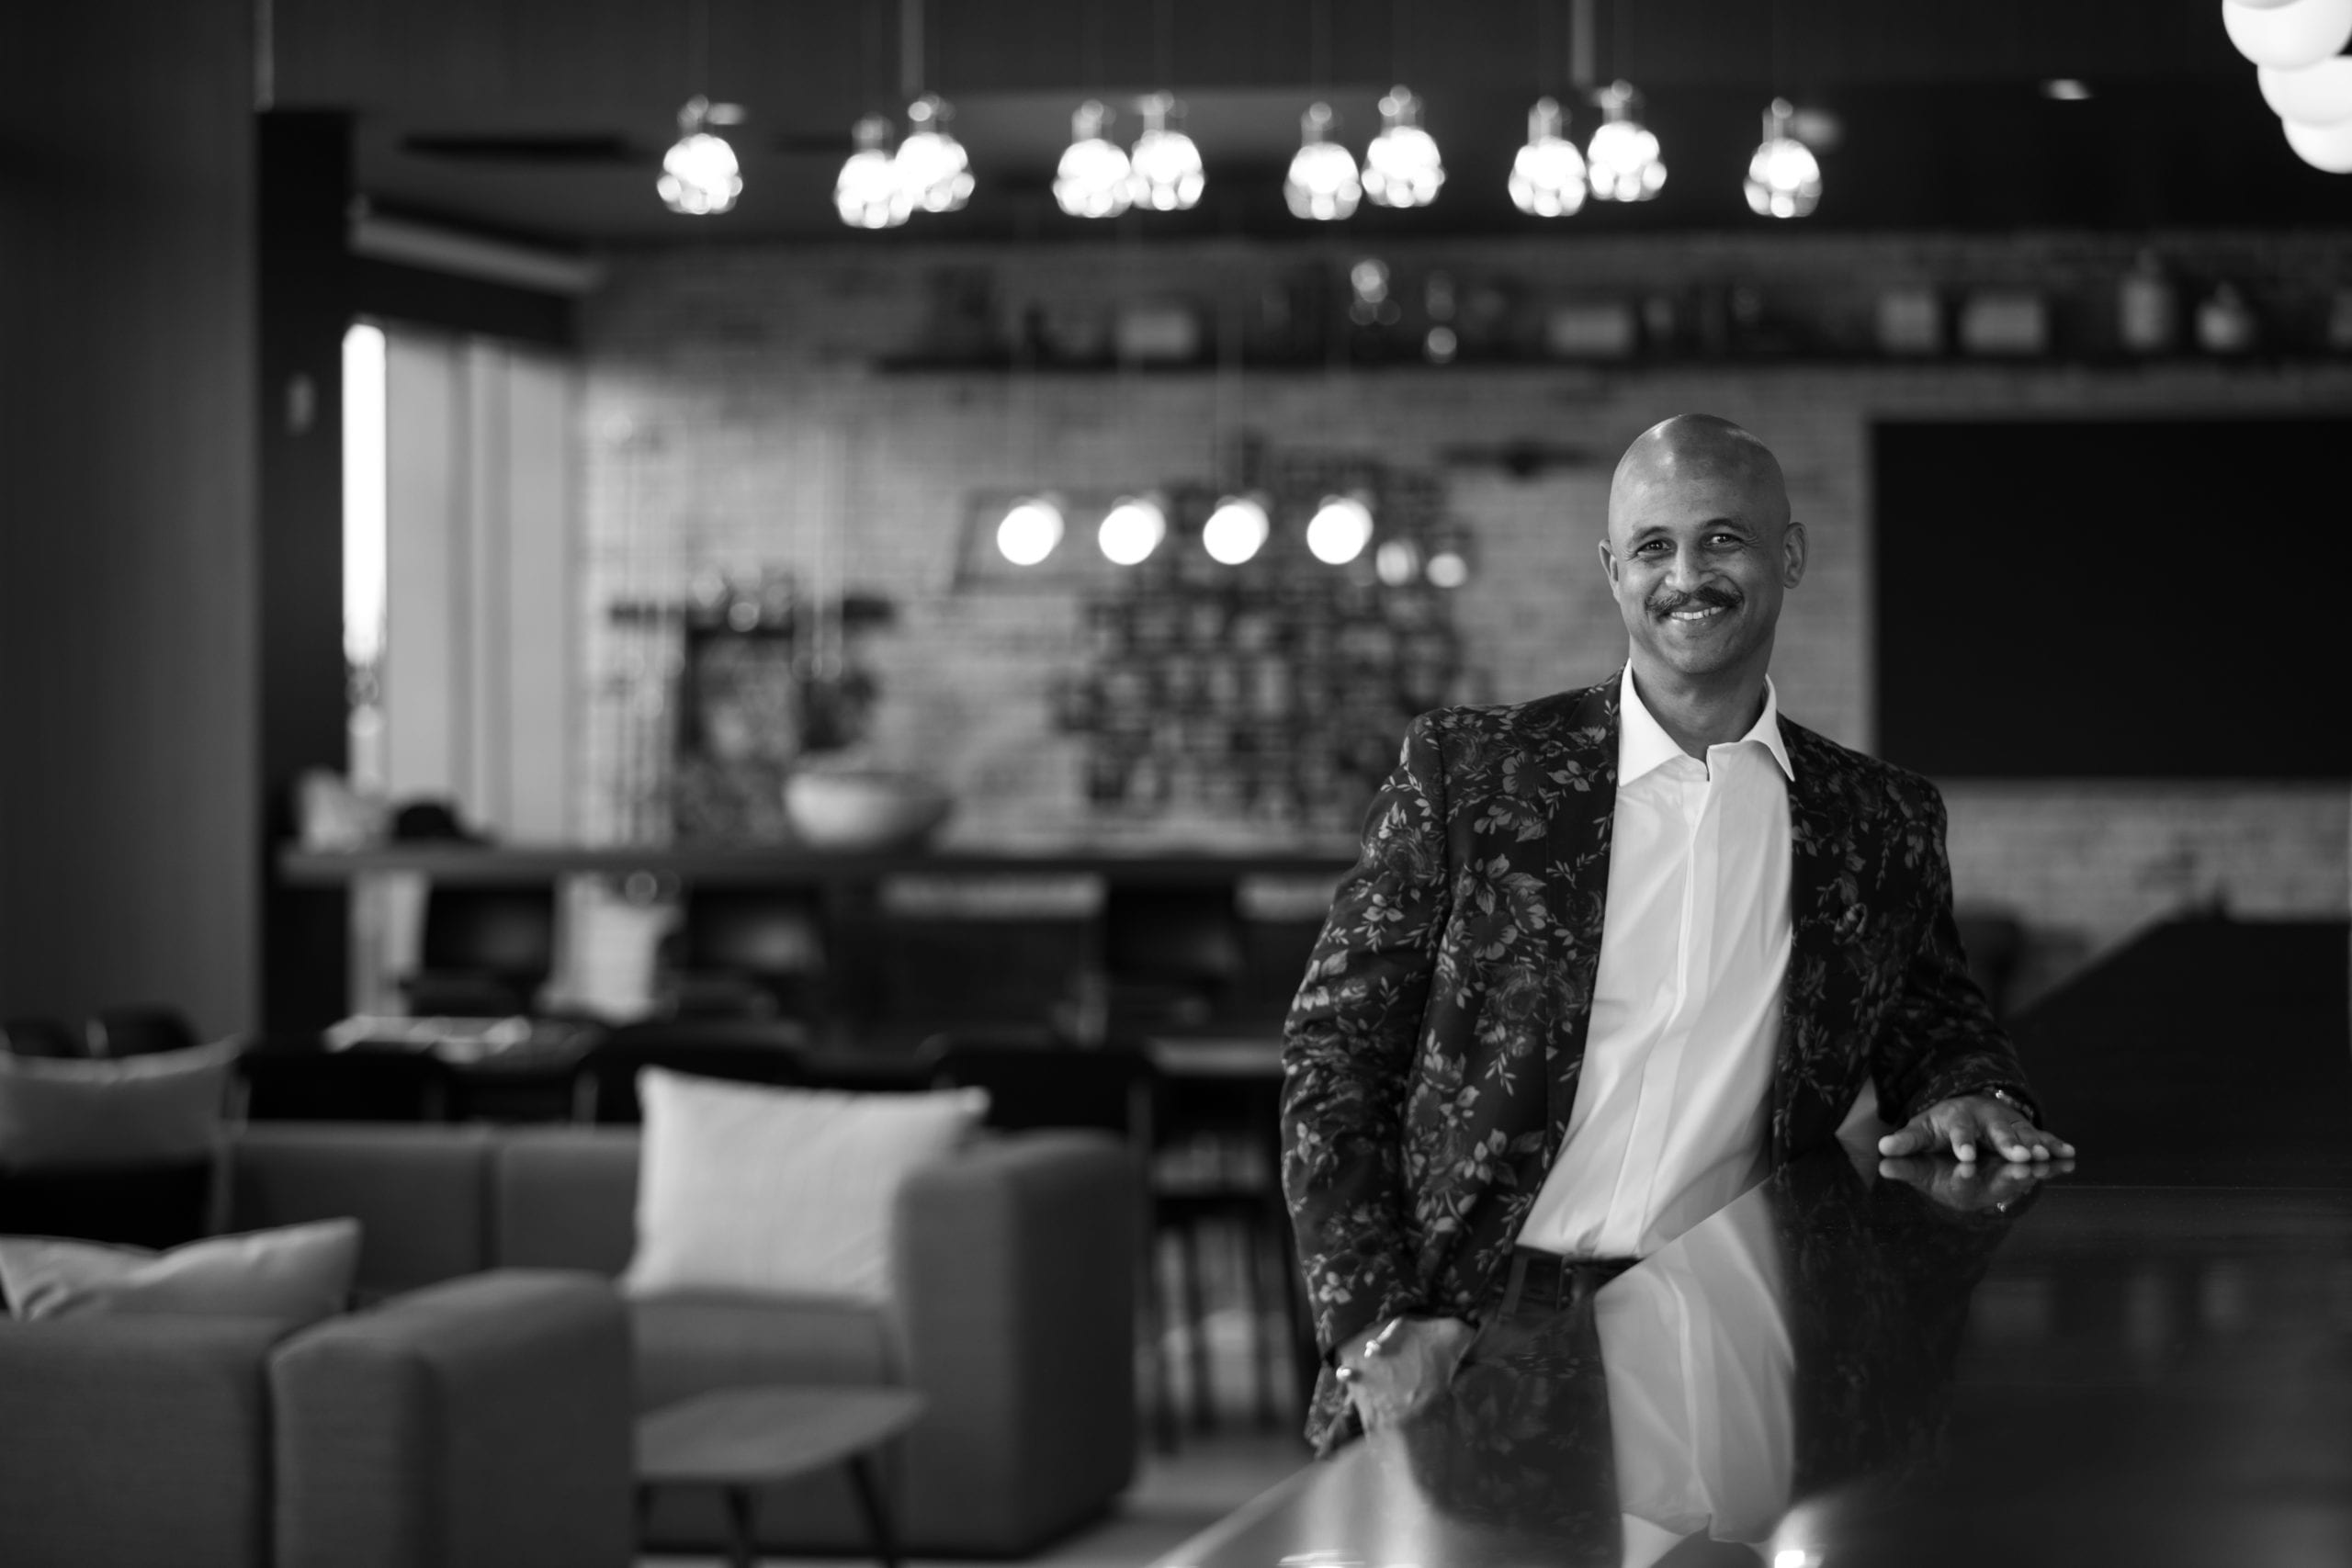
(2316, 95)
(1236, 530)
(2289, 37)
(1448, 570)
(868, 194)
(1167, 175)
(1401, 168)
(1030, 530)
(1131, 530)
(2324, 147)
(1396, 562)
(1622, 162)
(1547, 178)
(1322, 183)
(700, 174)
(1092, 179)
(1340, 530)
(930, 163)
(1784, 178)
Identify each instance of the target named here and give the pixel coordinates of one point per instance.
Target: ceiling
(547, 118)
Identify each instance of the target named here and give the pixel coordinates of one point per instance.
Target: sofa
(1013, 1315)
(478, 1423)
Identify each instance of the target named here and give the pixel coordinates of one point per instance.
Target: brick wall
(736, 418)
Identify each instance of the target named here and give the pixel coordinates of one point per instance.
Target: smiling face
(1701, 551)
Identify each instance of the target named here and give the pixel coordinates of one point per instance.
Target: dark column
(304, 196)
(127, 661)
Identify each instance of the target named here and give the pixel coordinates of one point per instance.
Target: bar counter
(1841, 1368)
(735, 865)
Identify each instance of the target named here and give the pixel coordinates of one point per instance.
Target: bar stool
(739, 1049)
(486, 950)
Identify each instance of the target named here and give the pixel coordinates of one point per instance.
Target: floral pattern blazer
(1431, 1056)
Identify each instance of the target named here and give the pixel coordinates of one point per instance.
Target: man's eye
(1651, 547)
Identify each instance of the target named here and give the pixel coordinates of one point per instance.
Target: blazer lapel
(1581, 748)
(1824, 894)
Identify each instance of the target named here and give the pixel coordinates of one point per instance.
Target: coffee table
(740, 1439)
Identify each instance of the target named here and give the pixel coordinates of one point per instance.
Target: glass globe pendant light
(1131, 530)
(1785, 178)
(1166, 174)
(700, 174)
(1340, 530)
(2315, 95)
(1402, 168)
(2290, 36)
(2327, 148)
(1031, 528)
(868, 192)
(1093, 178)
(1236, 530)
(932, 164)
(1622, 162)
(1322, 183)
(1547, 178)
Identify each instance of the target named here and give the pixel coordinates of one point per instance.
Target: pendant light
(1322, 184)
(1236, 530)
(1402, 168)
(1783, 178)
(2315, 95)
(1166, 174)
(868, 192)
(2288, 37)
(1031, 528)
(1093, 180)
(1131, 529)
(700, 175)
(932, 164)
(1622, 162)
(1339, 529)
(1547, 178)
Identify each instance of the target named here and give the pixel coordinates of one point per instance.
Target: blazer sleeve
(1942, 1039)
(1348, 1054)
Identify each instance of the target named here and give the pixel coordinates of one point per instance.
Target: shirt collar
(1643, 745)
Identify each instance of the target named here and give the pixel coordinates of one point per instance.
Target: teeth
(1696, 614)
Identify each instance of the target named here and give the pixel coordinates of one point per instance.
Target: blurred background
(373, 418)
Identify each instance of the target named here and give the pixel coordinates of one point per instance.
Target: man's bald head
(1696, 450)
(1700, 552)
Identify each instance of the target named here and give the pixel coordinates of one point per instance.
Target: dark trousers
(1515, 1454)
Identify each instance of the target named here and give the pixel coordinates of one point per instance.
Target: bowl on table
(864, 812)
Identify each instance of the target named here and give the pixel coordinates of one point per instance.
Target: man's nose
(1684, 573)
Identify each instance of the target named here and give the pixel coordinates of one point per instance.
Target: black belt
(1545, 1281)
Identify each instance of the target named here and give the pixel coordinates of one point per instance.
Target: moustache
(1666, 600)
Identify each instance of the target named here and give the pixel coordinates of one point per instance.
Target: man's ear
(1792, 554)
(1607, 563)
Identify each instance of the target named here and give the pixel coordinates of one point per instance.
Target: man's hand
(1970, 1122)
(1396, 1371)
(1974, 1187)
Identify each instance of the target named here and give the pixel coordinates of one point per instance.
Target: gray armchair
(476, 1424)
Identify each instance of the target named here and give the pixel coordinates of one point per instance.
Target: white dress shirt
(1700, 1364)
(1671, 1107)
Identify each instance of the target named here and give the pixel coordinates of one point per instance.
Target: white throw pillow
(778, 1190)
(302, 1272)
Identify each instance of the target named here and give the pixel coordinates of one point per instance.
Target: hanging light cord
(911, 63)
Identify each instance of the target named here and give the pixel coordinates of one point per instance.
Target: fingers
(1916, 1137)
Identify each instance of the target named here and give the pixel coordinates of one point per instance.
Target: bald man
(1609, 956)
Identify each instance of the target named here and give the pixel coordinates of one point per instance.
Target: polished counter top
(1852, 1365)
(725, 863)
